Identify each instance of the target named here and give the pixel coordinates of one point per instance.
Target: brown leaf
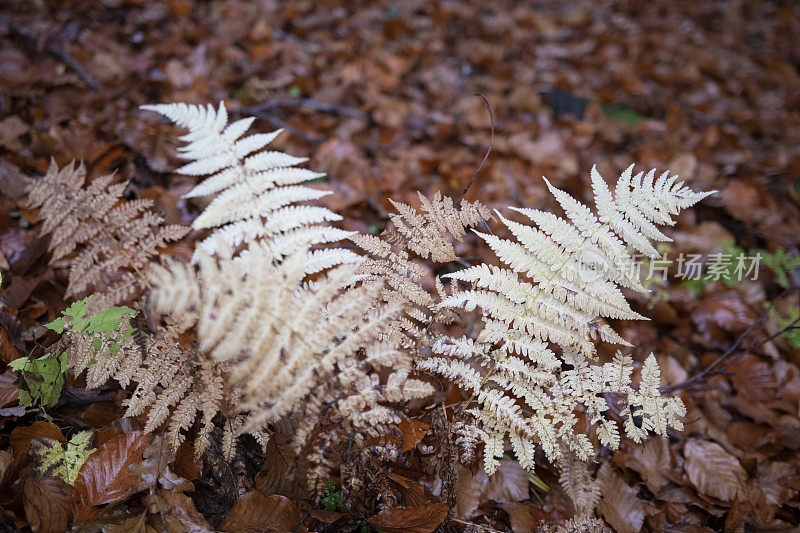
(652, 461)
(509, 484)
(101, 414)
(410, 519)
(712, 470)
(253, 512)
(9, 393)
(103, 477)
(413, 432)
(21, 437)
(619, 505)
(48, 504)
(7, 351)
(182, 507)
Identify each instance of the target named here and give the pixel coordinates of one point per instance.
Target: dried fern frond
(546, 302)
(254, 321)
(423, 233)
(256, 191)
(115, 240)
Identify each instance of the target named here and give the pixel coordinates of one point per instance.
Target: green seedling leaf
(41, 380)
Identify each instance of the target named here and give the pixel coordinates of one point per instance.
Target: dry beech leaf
(134, 524)
(253, 512)
(103, 477)
(469, 489)
(48, 504)
(9, 393)
(21, 437)
(652, 461)
(410, 519)
(519, 517)
(182, 507)
(712, 470)
(509, 484)
(413, 432)
(619, 505)
(154, 468)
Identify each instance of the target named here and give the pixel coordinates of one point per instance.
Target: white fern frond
(257, 190)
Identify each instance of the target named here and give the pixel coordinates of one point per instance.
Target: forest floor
(382, 97)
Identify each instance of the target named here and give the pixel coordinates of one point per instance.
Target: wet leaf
(103, 477)
(712, 470)
(410, 519)
(21, 437)
(48, 504)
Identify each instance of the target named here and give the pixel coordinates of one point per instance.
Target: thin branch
(52, 47)
(488, 151)
(309, 103)
(736, 348)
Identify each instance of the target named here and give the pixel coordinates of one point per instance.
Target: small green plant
(40, 381)
(782, 265)
(332, 500)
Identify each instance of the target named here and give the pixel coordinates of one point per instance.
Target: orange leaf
(21, 437)
(254, 512)
(102, 478)
(413, 432)
(410, 519)
(48, 504)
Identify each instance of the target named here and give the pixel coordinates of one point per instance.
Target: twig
(309, 103)
(54, 48)
(757, 326)
(488, 151)
(275, 121)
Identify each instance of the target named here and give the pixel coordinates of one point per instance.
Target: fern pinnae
(257, 190)
(541, 297)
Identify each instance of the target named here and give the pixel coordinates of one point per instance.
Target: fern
(256, 191)
(254, 323)
(390, 264)
(545, 302)
(114, 240)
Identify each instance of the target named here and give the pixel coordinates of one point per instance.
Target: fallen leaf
(469, 490)
(413, 432)
(253, 512)
(48, 504)
(509, 484)
(182, 507)
(154, 468)
(410, 519)
(103, 477)
(9, 393)
(619, 505)
(652, 461)
(21, 437)
(712, 470)
(52, 459)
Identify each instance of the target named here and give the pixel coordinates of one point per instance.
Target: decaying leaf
(619, 504)
(712, 470)
(154, 469)
(410, 519)
(253, 512)
(103, 477)
(413, 432)
(53, 459)
(21, 437)
(652, 460)
(48, 504)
